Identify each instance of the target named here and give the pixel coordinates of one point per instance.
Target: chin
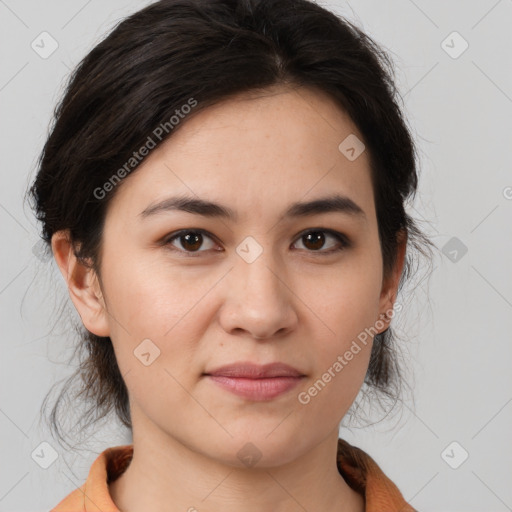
(256, 450)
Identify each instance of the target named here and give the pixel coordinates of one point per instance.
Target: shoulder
(365, 476)
(94, 494)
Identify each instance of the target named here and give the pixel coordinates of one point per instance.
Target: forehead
(253, 152)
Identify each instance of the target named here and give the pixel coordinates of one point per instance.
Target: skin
(295, 304)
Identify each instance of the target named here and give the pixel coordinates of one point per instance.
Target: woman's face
(253, 287)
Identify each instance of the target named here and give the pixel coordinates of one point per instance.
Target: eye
(189, 239)
(315, 238)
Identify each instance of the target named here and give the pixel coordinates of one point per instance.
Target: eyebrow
(335, 203)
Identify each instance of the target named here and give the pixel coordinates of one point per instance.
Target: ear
(390, 285)
(83, 285)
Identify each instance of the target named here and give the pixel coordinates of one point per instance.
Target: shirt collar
(358, 469)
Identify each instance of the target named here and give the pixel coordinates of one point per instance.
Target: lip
(256, 382)
(250, 370)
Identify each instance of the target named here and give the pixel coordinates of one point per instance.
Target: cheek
(155, 331)
(152, 299)
(342, 352)
(330, 395)
(147, 316)
(161, 304)
(347, 305)
(347, 299)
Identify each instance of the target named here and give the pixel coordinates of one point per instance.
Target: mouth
(256, 382)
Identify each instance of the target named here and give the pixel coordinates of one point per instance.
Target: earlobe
(83, 285)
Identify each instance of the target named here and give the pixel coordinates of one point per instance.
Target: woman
(223, 191)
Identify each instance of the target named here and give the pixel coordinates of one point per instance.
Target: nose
(258, 301)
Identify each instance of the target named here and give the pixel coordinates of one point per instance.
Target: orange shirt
(358, 469)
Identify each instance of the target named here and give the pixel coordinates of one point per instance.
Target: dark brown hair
(150, 65)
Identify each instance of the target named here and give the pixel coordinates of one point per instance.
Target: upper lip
(256, 371)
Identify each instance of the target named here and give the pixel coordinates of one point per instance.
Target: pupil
(317, 238)
(197, 243)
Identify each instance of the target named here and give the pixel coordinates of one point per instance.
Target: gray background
(457, 324)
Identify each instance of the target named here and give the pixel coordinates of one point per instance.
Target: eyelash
(340, 237)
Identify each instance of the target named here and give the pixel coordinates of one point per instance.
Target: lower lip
(256, 389)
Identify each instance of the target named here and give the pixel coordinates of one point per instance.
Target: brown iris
(316, 238)
(194, 241)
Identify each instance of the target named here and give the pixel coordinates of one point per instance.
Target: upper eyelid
(181, 232)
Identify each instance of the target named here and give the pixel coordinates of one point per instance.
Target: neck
(166, 475)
